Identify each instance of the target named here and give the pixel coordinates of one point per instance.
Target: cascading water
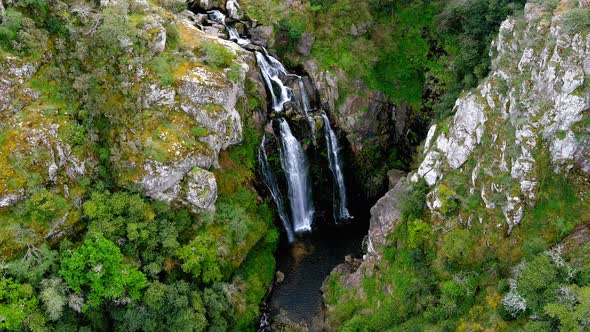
(271, 182)
(295, 166)
(271, 70)
(293, 160)
(340, 210)
(219, 17)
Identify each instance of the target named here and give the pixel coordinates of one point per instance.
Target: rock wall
(532, 101)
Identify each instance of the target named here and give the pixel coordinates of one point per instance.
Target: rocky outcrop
(173, 144)
(366, 116)
(533, 100)
(36, 149)
(385, 216)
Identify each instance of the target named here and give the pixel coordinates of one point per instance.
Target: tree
(165, 307)
(95, 270)
(200, 258)
(17, 302)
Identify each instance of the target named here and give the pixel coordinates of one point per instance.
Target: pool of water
(306, 264)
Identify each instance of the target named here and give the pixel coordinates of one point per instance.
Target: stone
(279, 277)
(154, 33)
(394, 176)
(304, 44)
(232, 7)
(385, 215)
(262, 35)
(200, 190)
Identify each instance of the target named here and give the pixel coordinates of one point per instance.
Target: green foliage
(576, 20)
(199, 132)
(175, 6)
(294, 25)
(96, 271)
(17, 302)
(43, 206)
(414, 204)
(234, 72)
(418, 233)
(216, 55)
(458, 245)
(53, 297)
(199, 258)
(163, 67)
(166, 307)
(11, 24)
(573, 315)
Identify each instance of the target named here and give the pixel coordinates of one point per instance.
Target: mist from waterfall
(340, 204)
(296, 168)
(271, 183)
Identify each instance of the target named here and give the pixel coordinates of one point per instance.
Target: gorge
(302, 165)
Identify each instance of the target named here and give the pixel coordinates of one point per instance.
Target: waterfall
(294, 164)
(272, 185)
(271, 70)
(219, 17)
(340, 210)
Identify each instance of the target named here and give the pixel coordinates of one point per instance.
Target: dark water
(306, 263)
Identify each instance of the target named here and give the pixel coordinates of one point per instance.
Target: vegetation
(97, 255)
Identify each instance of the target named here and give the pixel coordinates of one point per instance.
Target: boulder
(385, 215)
(304, 44)
(154, 33)
(200, 189)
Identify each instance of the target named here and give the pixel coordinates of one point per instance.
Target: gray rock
(200, 190)
(305, 44)
(154, 33)
(536, 92)
(232, 7)
(385, 215)
(394, 176)
(262, 35)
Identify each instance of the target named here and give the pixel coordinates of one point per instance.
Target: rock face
(365, 115)
(36, 148)
(385, 215)
(533, 100)
(177, 139)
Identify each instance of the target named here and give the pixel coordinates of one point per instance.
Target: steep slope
(499, 183)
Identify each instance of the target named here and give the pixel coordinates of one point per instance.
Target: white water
(219, 17)
(340, 209)
(271, 183)
(295, 166)
(306, 106)
(271, 70)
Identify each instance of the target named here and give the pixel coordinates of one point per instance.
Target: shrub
(576, 20)
(458, 245)
(162, 66)
(216, 55)
(11, 24)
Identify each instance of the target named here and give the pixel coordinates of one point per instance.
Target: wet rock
(279, 277)
(262, 35)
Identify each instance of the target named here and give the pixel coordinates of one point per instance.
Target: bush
(11, 24)
(576, 20)
(458, 245)
(216, 55)
(162, 66)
